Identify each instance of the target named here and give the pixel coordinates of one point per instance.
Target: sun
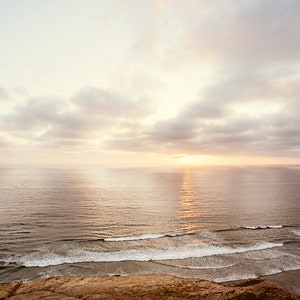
(189, 160)
(193, 160)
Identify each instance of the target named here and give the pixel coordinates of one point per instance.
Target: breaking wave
(142, 237)
(49, 258)
(296, 232)
(263, 227)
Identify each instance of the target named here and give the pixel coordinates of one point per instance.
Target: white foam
(272, 271)
(234, 277)
(297, 232)
(264, 227)
(219, 266)
(208, 234)
(43, 259)
(135, 238)
(142, 237)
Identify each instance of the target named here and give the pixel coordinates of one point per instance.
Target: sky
(150, 82)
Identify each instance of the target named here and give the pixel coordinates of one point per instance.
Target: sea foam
(135, 238)
(297, 232)
(48, 258)
(263, 227)
(142, 237)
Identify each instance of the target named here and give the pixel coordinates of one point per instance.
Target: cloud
(243, 87)
(247, 31)
(91, 112)
(248, 104)
(106, 103)
(176, 129)
(255, 113)
(34, 114)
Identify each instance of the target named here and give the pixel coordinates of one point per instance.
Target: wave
(142, 237)
(219, 266)
(297, 232)
(263, 227)
(49, 258)
(231, 276)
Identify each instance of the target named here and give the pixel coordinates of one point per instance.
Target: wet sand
(288, 279)
(142, 287)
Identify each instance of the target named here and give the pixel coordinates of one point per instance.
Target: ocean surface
(217, 223)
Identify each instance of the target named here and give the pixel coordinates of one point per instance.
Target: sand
(142, 287)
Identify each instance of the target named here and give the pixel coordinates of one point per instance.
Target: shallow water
(216, 223)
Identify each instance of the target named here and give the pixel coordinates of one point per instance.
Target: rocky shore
(142, 287)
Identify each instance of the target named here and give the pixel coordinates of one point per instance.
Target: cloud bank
(247, 106)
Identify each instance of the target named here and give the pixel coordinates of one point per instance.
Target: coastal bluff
(142, 287)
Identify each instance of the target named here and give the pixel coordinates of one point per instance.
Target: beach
(142, 287)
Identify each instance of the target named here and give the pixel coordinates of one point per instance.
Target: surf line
(189, 267)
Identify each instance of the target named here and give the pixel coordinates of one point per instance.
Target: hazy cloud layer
(246, 32)
(91, 112)
(252, 114)
(241, 59)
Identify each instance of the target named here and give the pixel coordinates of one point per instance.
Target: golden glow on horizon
(123, 159)
(196, 160)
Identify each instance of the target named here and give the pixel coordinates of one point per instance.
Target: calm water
(216, 223)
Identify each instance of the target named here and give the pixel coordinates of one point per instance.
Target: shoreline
(288, 279)
(150, 286)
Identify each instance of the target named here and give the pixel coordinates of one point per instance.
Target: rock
(142, 287)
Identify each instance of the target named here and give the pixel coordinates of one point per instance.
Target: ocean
(216, 223)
